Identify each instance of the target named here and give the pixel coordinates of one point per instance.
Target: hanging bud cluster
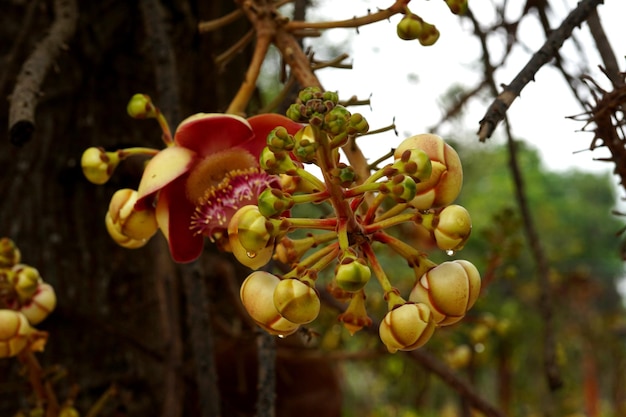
(418, 187)
(25, 300)
(413, 27)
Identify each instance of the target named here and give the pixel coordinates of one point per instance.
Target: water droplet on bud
(251, 255)
(281, 336)
(449, 252)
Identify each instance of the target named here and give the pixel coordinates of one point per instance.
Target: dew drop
(449, 252)
(251, 255)
(281, 336)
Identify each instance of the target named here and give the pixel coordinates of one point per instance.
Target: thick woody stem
(27, 88)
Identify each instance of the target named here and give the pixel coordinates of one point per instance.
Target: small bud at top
(140, 107)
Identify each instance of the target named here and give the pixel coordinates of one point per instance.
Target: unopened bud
(296, 301)
(257, 296)
(449, 289)
(407, 327)
(98, 165)
(140, 107)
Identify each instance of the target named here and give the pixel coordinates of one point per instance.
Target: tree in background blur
(135, 334)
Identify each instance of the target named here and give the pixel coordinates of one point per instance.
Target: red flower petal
(173, 214)
(208, 133)
(262, 125)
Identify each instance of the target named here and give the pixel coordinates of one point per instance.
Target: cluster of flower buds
(25, 300)
(418, 187)
(413, 27)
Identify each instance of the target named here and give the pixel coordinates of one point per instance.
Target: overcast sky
(406, 80)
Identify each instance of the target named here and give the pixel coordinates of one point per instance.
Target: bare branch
(501, 104)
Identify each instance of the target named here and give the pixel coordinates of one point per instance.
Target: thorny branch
(497, 110)
(27, 88)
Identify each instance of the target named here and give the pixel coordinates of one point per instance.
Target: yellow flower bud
(25, 280)
(257, 296)
(130, 228)
(98, 165)
(446, 178)
(296, 301)
(449, 289)
(454, 228)
(9, 253)
(252, 229)
(251, 259)
(407, 327)
(41, 304)
(410, 27)
(14, 333)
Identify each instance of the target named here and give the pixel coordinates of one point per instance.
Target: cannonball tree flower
(208, 172)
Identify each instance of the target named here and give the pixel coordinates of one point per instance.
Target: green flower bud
(429, 34)
(140, 107)
(407, 327)
(257, 296)
(453, 227)
(336, 121)
(343, 175)
(414, 163)
(310, 93)
(358, 124)
(331, 96)
(9, 253)
(296, 301)
(279, 140)
(410, 27)
(306, 146)
(276, 163)
(98, 165)
(352, 273)
(449, 289)
(273, 202)
(401, 188)
(297, 113)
